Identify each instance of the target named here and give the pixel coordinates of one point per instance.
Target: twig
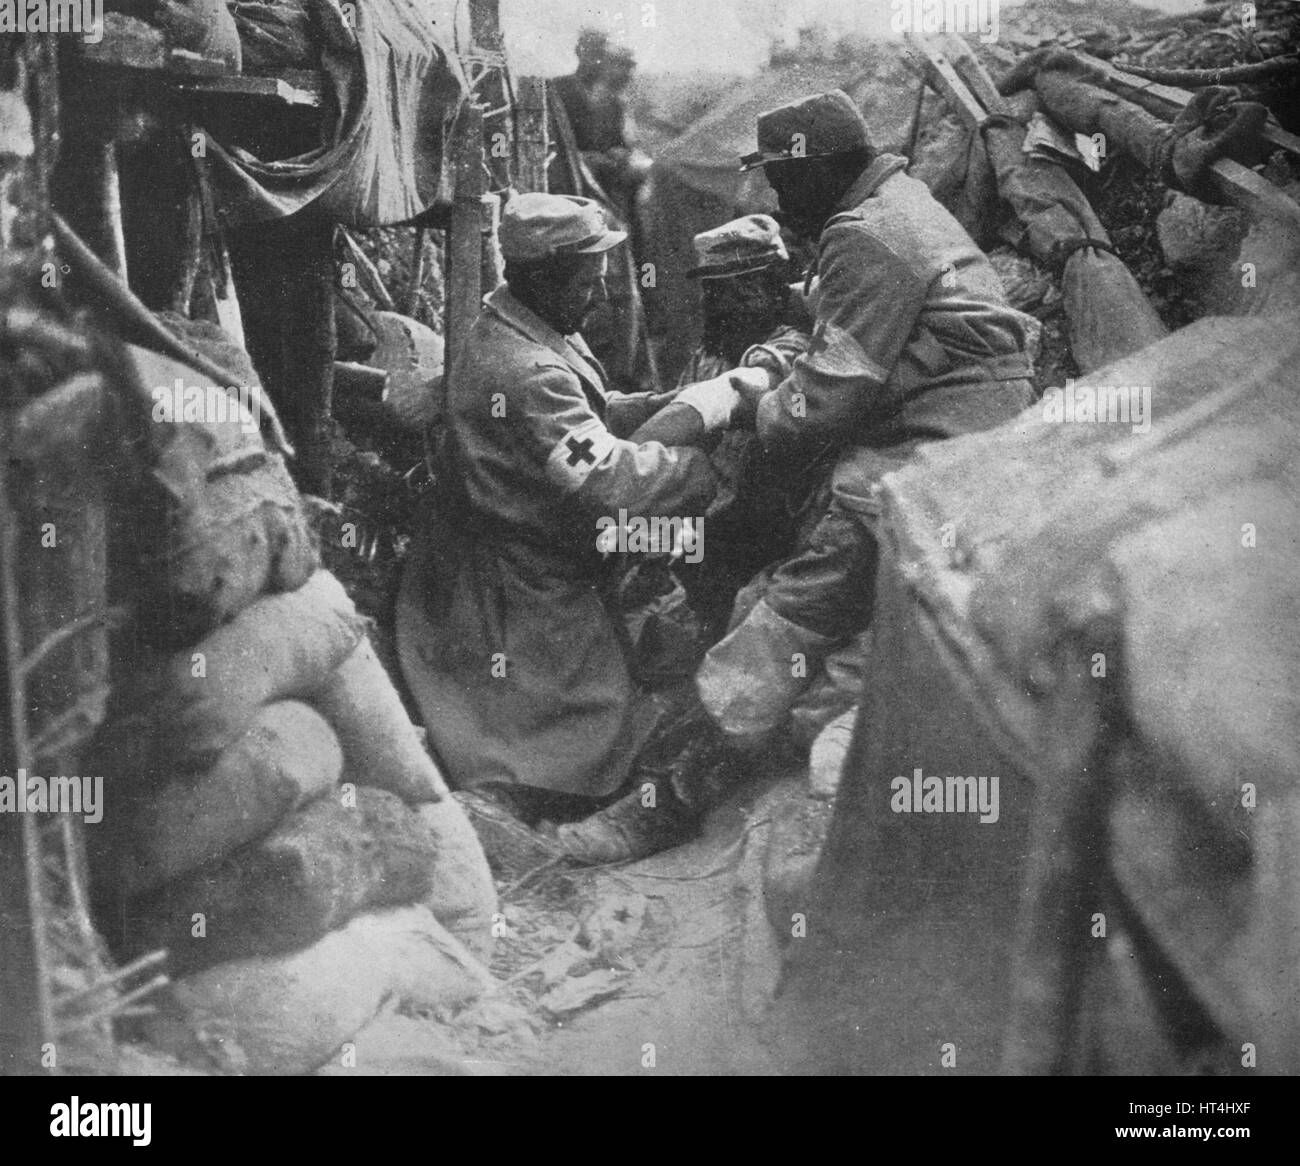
(113, 1009)
(65, 729)
(131, 969)
(103, 617)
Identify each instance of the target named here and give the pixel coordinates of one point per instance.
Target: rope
(1063, 251)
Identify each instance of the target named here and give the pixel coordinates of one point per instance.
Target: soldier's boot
(751, 678)
(636, 826)
(691, 769)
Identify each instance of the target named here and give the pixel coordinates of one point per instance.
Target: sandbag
(381, 747)
(226, 522)
(1110, 315)
(280, 647)
(288, 1014)
(166, 829)
(322, 866)
(464, 896)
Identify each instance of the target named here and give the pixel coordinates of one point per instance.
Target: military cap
(538, 226)
(739, 247)
(812, 127)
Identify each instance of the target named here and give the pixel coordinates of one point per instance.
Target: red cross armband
(579, 452)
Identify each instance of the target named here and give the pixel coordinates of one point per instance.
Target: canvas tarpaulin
(392, 86)
(1113, 636)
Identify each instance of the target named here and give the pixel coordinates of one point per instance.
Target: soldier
(509, 635)
(913, 341)
(748, 314)
(594, 99)
(750, 319)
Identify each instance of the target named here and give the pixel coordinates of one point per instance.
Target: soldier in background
(594, 99)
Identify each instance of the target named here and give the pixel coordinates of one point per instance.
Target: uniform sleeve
(586, 463)
(627, 412)
(778, 352)
(868, 302)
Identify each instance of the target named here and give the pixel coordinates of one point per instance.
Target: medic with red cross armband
(509, 641)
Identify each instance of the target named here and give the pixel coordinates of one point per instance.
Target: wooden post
(285, 270)
(417, 272)
(493, 264)
(26, 1021)
(465, 238)
(25, 1015)
(532, 135)
(314, 374)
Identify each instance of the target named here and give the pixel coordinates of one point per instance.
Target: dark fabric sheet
(393, 85)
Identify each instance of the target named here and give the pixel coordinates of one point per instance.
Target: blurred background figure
(593, 100)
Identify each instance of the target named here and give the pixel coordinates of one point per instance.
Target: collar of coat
(572, 349)
(882, 166)
(870, 180)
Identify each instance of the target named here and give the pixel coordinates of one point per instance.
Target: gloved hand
(715, 400)
(752, 385)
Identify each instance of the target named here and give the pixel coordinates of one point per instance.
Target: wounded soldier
(750, 319)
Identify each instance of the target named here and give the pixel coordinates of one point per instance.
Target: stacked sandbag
(272, 792)
(286, 757)
(271, 783)
(216, 521)
(270, 804)
(315, 871)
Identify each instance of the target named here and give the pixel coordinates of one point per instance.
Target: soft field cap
(537, 226)
(812, 127)
(739, 247)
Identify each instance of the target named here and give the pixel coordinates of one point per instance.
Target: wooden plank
(302, 89)
(532, 135)
(1241, 186)
(417, 272)
(974, 74)
(945, 79)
